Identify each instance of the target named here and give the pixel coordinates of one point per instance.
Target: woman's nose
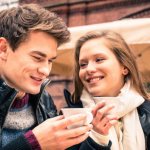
(91, 68)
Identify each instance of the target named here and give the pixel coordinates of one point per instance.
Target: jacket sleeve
(89, 144)
(48, 105)
(20, 143)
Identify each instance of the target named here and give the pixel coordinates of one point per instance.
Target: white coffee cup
(67, 112)
(113, 101)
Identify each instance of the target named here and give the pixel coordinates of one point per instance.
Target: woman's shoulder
(69, 101)
(144, 116)
(144, 107)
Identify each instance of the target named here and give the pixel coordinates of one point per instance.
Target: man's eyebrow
(42, 54)
(39, 53)
(54, 58)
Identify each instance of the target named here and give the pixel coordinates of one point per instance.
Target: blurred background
(124, 16)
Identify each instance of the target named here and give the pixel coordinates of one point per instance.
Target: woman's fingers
(97, 107)
(101, 113)
(110, 123)
(103, 125)
(107, 119)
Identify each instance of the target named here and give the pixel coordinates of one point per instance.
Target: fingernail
(90, 126)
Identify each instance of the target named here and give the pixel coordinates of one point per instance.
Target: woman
(105, 67)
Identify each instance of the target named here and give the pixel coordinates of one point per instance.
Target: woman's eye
(82, 65)
(99, 59)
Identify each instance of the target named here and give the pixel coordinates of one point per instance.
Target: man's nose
(45, 69)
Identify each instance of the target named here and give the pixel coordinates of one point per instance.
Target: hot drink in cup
(113, 101)
(67, 112)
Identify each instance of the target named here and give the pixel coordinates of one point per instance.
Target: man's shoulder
(46, 97)
(48, 104)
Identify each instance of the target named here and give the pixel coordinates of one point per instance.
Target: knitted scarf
(129, 135)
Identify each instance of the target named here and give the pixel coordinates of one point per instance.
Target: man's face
(30, 64)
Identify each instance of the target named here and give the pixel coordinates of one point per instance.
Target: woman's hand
(103, 120)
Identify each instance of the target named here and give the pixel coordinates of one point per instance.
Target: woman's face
(100, 71)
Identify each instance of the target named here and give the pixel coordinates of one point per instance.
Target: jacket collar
(5, 89)
(36, 98)
(8, 94)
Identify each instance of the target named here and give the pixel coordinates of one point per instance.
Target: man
(29, 38)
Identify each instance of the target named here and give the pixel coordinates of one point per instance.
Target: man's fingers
(55, 119)
(75, 132)
(64, 123)
(76, 140)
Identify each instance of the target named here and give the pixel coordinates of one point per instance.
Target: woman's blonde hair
(123, 54)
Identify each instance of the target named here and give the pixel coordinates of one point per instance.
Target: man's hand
(54, 135)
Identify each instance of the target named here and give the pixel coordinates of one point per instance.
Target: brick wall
(85, 12)
(56, 89)
(78, 13)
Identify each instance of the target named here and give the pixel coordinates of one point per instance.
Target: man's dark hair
(16, 23)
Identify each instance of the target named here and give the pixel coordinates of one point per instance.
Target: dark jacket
(143, 111)
(44, 108)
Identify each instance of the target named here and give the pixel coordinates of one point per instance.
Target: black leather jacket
(42, 104)
(44, 108)
(143, 111)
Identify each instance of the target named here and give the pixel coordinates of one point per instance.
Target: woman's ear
(125, 71)
(3, 48)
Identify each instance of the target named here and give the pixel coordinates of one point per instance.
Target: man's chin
(32, 91)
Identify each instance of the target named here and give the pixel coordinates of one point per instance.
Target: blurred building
(86, 12)
(8, 3)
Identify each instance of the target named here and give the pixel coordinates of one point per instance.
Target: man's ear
(3, 48)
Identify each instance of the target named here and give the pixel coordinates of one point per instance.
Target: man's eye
(50, 61)
(37, 58)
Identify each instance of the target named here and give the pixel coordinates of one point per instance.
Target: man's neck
(20, 95)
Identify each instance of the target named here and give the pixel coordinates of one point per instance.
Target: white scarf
(132, 136)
